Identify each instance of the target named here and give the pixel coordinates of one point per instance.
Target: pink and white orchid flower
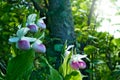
(21, 41)
(76, 61)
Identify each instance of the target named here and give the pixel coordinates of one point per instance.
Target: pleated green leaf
(20, 67)
(54, 74)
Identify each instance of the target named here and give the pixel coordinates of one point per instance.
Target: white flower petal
(43, 18)
(82, 56)
(29, 39)
(70, 46)
(23, 31)
(14, 39)
(40, 20)
(78, 57)
(31, 18)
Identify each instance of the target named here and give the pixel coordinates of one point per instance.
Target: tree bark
(60, 21)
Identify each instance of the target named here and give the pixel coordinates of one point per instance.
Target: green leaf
(20, 67)
(54, 74)
(116, 42)
(65, 66)
(89, 49)
(83, 6)
(75, 75)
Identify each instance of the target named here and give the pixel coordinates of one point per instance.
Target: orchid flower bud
(33, 27)
(39, 47)
(41, 24)
(23, 44)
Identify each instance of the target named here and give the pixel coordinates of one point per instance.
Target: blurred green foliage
(101, 47)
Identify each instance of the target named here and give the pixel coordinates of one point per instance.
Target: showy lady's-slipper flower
(21, 41)
(76, 61)
(39, 47)
(41, 24)
(31, 23)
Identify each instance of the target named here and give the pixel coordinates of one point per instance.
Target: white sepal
(31, 18)
(29, 39)
(23, 31)
(78, 57)
(69, 47)
(14, 39)
(67, 52)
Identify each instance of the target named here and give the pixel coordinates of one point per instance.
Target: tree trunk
(60, 25)
(91, 12)
(60, 22)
